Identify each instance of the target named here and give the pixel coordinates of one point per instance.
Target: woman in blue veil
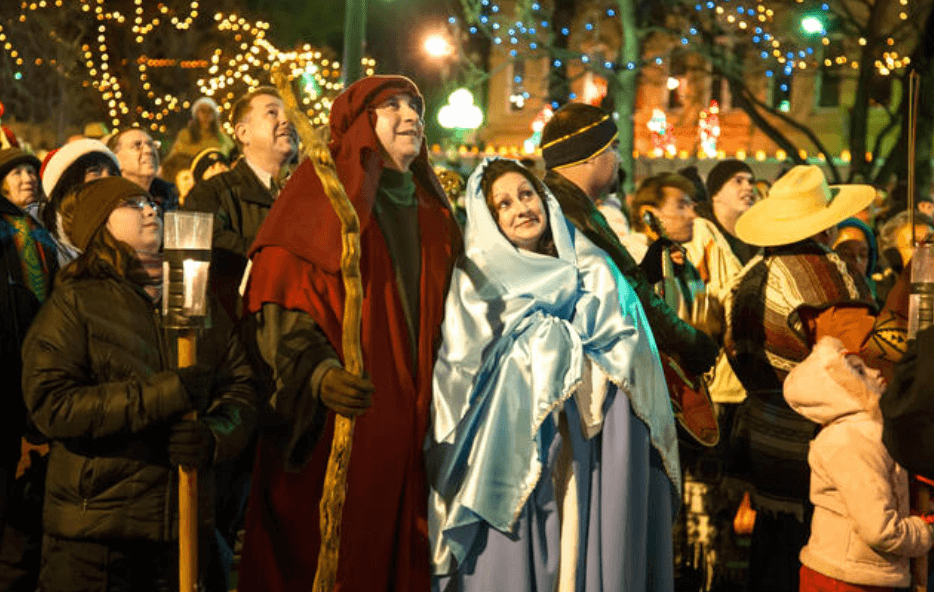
(552, 455)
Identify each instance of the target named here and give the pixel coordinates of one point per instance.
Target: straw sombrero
(800, 205)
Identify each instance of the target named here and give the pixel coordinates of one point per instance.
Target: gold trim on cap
(574, 133)
(586, 158)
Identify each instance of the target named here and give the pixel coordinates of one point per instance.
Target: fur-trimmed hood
(831, 384)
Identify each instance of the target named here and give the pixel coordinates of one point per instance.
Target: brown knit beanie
(723, 172)
(95, 201)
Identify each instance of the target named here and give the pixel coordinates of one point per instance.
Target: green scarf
(398, 187)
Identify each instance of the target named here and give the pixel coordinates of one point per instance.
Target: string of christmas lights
(528, 30)
(241, 61)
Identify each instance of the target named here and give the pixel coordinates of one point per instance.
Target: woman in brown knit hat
(98, 383)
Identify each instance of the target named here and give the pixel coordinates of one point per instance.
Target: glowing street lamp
(460, 113)
(436, 46)
(812, 25)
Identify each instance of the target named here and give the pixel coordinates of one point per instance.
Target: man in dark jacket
(580, 148)
(241, 198)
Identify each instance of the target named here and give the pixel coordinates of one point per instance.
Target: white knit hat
(58, 161)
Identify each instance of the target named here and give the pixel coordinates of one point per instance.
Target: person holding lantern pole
(98, 382)
(408, 242)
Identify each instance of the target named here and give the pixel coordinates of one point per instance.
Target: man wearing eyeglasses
(138, 154)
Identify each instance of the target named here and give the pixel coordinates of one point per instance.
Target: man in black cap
(719, 255)
(208, 163)
(731, 192)
(580, 147)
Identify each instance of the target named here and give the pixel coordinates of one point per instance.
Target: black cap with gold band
(580, 144)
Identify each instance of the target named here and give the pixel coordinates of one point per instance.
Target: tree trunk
(859, 112)
(559, 86)
(624, 91)
(354, 40)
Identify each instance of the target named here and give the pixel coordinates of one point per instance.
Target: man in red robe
(295, 297)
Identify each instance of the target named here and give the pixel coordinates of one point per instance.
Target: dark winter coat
(166, 194)
(240, 203)
(908, 407)
(97, 381)
(18, 307)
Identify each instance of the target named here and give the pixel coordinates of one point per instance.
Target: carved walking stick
(335, 480)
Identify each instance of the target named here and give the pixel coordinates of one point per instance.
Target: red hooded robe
(296, 264)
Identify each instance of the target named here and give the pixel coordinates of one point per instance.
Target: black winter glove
(702, 354)
(652, 262)
(345, 393)
(197, 381)
(191, 444)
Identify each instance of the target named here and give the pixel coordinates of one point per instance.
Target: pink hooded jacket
(861, 532)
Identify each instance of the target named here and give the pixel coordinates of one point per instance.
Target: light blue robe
(518, 328)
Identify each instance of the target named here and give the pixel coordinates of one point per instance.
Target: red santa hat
(7, 137)
(57, 161)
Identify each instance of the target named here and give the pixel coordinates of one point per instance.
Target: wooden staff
(187, 489)
(335, 480)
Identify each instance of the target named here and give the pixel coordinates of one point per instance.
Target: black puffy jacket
(97, 381)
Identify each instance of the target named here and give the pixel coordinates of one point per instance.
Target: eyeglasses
(139, 144)
(140, 203)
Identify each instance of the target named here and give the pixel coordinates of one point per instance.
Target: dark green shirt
(396, 212)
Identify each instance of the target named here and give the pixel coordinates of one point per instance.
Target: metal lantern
(187, 250)
(921, 302)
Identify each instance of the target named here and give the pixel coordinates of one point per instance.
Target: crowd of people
(566, 388)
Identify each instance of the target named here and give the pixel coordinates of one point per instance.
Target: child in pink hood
(862, 535)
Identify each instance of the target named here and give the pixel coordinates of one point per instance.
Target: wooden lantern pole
(187, 488)
(335, 480)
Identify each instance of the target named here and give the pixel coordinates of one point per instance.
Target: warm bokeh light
(437, 46)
